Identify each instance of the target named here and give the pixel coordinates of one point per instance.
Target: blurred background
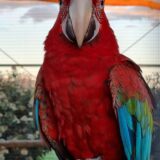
(24, 24)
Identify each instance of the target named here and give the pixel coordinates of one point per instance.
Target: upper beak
(80, 12)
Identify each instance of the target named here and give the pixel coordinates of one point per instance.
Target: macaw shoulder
(126, 79)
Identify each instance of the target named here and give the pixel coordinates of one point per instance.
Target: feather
(36, 113)
(149, 145)
(138, 110)
(124, 132)
(146, 145)
(128, 118)
(138, 141)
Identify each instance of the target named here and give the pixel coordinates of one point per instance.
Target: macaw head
(81, 19)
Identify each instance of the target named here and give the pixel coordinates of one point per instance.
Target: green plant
(16, 119)
(48, 156)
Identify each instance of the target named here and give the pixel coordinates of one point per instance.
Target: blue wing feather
(130, 132)
(145, 145)
(149, 145)
(138, 141)
(138, 110)
(36, 113)
(124, 130)
(128, 118)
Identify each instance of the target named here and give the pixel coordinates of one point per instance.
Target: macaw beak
(80, 12)
(80, 24)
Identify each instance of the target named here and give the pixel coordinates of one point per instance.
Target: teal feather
(145, 145)
(129, 130)
(138, 141)
(138, 110)
(37, 113)
(124, 132)
(149, 145)
(128, 118)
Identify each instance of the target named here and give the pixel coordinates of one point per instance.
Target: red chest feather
(82, 104)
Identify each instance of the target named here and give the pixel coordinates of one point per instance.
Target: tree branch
(22, 144)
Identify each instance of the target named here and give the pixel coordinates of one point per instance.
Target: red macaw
(90, 100)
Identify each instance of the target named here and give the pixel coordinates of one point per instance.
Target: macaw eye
(60, 2)
(101, 3)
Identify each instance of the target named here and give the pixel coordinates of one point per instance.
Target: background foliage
(16, 122)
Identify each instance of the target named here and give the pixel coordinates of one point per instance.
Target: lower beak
(80, 12)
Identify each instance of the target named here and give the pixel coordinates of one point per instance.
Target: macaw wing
(45, 121)
(133, 105)
(41, 108)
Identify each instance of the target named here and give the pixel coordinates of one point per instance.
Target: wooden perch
(22, 144)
